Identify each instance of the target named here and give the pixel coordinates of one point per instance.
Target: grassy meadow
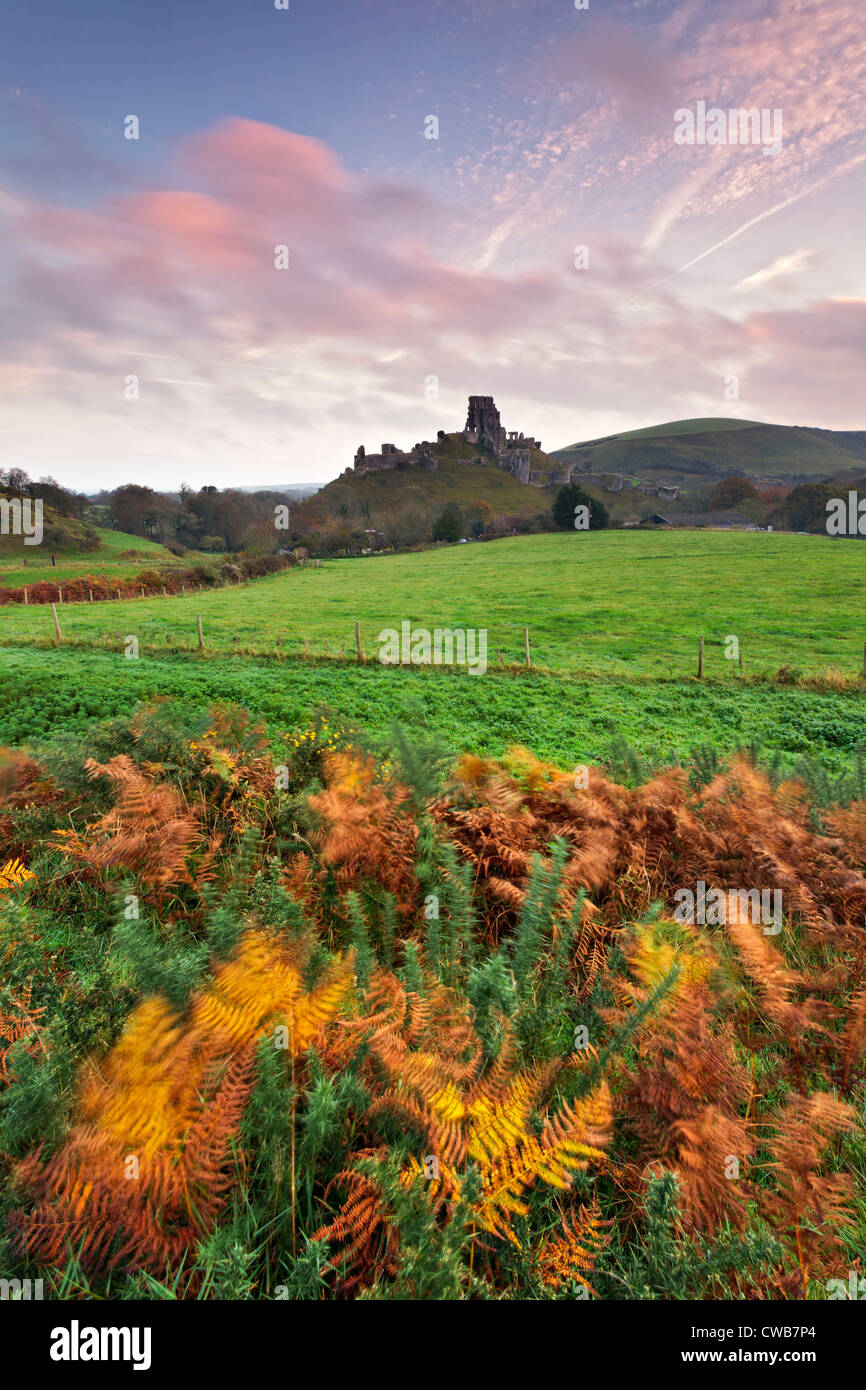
(565, 719)
(597, 603)
(626, 608)
(120, 555)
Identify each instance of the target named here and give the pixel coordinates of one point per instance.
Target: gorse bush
(326, 1023)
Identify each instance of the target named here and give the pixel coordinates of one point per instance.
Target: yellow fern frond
(13, 874)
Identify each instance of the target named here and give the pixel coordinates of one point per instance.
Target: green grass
(566, 720)
(708, 425)
(602, 603)
(112, 558)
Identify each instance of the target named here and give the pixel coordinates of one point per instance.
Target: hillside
(456, 479)
(79, 551)
(696, 453)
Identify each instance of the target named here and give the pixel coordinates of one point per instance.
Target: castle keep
(483, 427)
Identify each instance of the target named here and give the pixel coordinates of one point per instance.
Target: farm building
(720, 521)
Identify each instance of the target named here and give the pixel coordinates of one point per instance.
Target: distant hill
(297, 490)
(696, 453)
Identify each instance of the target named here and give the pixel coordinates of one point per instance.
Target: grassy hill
(117, 553)
(696, 453)
(457, 479)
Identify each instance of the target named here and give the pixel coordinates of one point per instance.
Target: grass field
(119, 555)
(605, 603)
(564, 719)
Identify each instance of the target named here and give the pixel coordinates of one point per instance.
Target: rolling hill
(79, 550)
(696, 453)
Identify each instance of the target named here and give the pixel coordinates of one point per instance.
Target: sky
(493, 197)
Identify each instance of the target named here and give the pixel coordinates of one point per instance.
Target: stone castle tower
(483, 425)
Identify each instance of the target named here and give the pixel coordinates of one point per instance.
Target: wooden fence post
(526, 646)
(56, 622)
(200, 636)
(26, 599)
(60, 592)
(90, 591)
(701, 660)
(142, 593)
(358, 641)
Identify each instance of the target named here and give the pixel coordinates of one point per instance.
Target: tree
(141, 511)
(448, 524)
(805, 507)
(572, 496)
(731, 491)
(480, 517)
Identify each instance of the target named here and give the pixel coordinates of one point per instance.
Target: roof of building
(706, 519)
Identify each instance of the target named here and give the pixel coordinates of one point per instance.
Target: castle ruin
(512, 451)
(483, 427)
(391, 457)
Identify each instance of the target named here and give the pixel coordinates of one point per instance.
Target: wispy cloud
(782, 268)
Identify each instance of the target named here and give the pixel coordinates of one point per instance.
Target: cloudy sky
(420, 270)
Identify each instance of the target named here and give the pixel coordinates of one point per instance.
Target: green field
(566, 720)
(603, 603)
(626, 607)
(120, 555)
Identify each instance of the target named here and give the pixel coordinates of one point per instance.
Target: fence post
(26, 599)
(526, 646)
(56, 622)
(701, 660)
(90, 591)
(60, 592)
(200, 636)
(163, 592)
(142, 593)
(358, 641)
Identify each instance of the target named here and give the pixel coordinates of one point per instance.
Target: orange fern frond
(149, 1163)
(572, 1256)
